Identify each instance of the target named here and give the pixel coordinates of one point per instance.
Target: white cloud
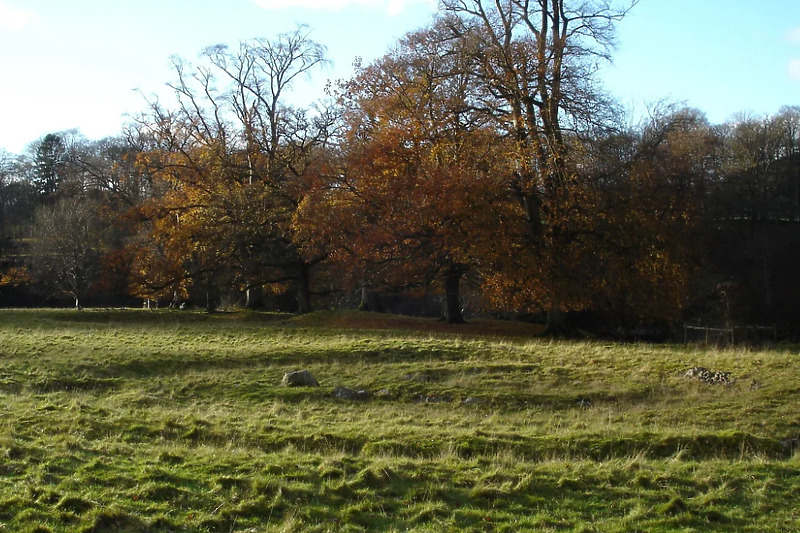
(392, 7)
(14, 19)
(793, 35)
(794, 69)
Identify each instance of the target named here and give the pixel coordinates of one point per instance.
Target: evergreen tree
(48, 165)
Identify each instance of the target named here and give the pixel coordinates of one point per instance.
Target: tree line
(477, 162)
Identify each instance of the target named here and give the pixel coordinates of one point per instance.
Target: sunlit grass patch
(169, 421)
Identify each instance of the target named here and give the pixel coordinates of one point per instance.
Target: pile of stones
(701, 373)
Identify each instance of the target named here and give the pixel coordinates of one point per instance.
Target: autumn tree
(236, 159)
(651, 183)
(536, 64)
(418, 171)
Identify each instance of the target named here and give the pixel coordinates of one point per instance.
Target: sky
(88, 64)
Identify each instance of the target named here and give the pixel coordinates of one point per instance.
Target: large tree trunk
(556, 325)
(254, 298)
(766, 271)
(303, 287)
(452, 296)
(370, 301)
(211, 304)
(175, 303)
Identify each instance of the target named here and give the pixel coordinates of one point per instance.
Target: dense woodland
(477, 165)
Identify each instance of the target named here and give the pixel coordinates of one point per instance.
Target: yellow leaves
(15, 277)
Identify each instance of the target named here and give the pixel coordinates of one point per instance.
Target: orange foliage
(15, 277)
(412, 200)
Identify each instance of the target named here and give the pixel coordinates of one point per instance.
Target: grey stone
(349, 394)
(300, 378)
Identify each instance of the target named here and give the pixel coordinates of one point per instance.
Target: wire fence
(729, 334)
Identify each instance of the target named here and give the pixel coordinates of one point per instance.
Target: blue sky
(77, 64)
(723, 57)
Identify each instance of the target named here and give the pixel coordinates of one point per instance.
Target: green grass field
(177, 421)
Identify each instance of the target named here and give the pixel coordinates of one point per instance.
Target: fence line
(729, 334)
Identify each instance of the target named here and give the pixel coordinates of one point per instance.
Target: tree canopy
(478, 162)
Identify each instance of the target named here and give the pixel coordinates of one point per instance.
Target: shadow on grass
(137, 317)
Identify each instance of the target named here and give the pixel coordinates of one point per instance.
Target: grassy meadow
(177, 421)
